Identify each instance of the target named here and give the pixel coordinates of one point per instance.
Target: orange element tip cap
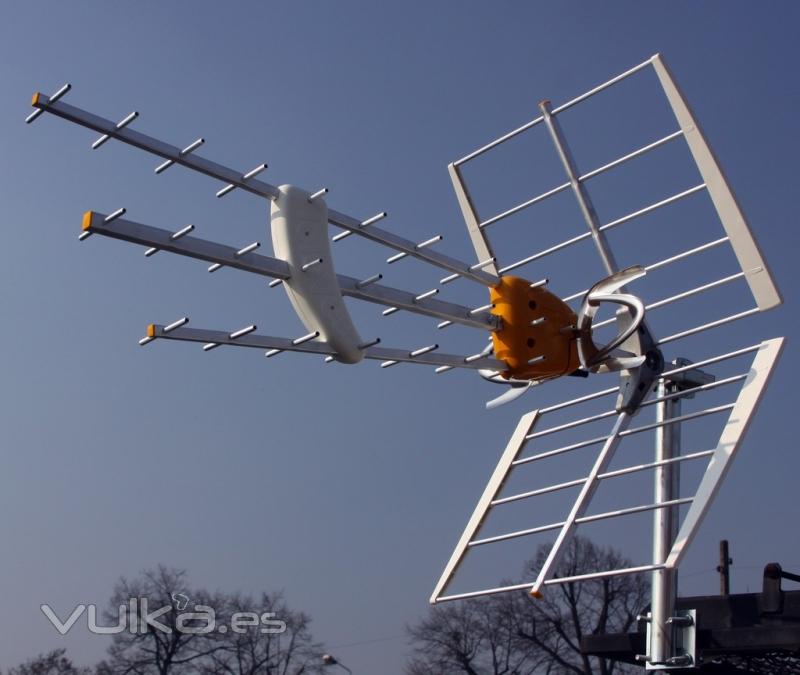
(87, 220)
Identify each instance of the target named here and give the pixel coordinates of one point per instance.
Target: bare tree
(52, 663)
(474, 637)
(556, 623)
(515, 634)
(157, 645)
(178, 630)
(265, 636)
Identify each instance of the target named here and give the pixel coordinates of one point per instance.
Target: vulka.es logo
(136, 618)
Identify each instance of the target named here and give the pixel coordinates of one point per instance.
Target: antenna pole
(724, 568)
(666, 639)
(665, 525)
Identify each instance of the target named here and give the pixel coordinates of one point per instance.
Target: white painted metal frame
(481, 244)
(493, 488)
(740, 413)
(588, 489)
(733, 220)
(729, 442)
(738, 233)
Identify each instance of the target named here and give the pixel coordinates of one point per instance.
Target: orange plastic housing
(520, 339)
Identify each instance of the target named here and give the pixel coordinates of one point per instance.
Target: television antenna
(537, 334)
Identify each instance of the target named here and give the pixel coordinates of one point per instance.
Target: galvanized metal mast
(665, 523)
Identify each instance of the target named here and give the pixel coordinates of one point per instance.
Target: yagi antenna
(541, 327)
(303, 262)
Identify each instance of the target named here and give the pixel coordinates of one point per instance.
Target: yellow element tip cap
(151, 330)
(35, 98)
(87, 220)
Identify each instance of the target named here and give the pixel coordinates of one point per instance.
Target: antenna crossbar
(584, 177)
(386, 295)
(309, 345)
(191, 247)
(616, 513)
(664, 262)
(532, 123)
(667, 374)
(249, 261)
(248, 182)
(411, 248)
(639, 569)
(602, 228)
(154, 146)
(603, 476)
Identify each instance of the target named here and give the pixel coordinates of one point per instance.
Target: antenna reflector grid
(714, 183)
(749, 387)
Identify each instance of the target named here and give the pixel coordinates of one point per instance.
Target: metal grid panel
(748, 386)
(738, 235)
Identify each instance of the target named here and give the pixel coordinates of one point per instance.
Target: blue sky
(347, 488)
